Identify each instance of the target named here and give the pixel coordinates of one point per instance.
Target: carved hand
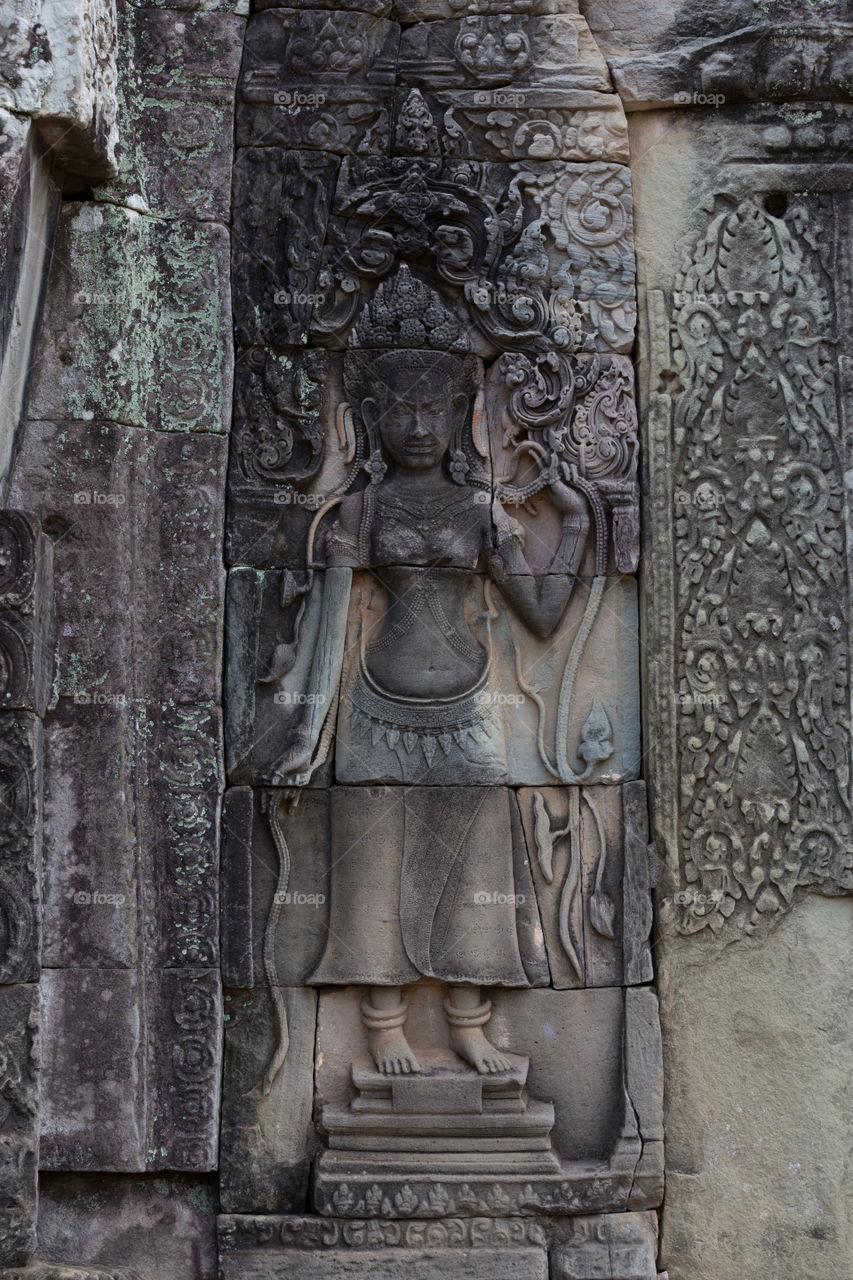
(568, 501)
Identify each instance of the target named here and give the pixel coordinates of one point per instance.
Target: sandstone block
(19, 1125)
(21, 750)
(137, 323)
(514, 50)
(148, 1228)
(268, 1138)
(178, 134)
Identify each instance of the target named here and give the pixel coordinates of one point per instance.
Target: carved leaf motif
(763, 674)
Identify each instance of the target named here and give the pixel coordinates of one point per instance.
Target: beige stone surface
(758, 1044)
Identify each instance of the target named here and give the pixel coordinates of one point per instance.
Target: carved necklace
(429, 510)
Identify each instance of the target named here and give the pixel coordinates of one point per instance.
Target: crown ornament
(406, 312)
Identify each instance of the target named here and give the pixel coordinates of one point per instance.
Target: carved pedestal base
(391, 1264)
(446, 1116)
(619, 1246)
(445, 1125)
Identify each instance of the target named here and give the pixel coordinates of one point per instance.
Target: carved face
(416, 417)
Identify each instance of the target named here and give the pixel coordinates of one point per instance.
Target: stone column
(740, 126)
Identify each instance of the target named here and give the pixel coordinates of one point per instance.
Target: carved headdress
(405, 312)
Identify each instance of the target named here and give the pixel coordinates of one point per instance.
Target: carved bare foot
(392, 1053)
(384, 1015)
(472, 1045)
(466, 1017)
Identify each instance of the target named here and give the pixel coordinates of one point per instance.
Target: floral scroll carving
(762, 668)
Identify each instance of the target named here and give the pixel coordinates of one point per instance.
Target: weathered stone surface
(239, 1234)
(92, 1105)
(487, 1264)
(178, 121)
(757, 1090)
(746, 58)
(576, 1055)
(609, 1247)
(571, 267)
(148, 1228)
(574, 1040)
(27, 638)
(379, 8)
(59, 66)
(424, 10)
(311, 81)
(286, 456)
(136, 519)
(296, 446)
(747, 618)
(184, 1068)
(91, 908)
(135, 325)
(594, 901)
(268, 1138)
(282, 201)
(601, 727)
(19, 1125)
(21, 843)
(102, 1039)
(644, 1086)
(298, 47)
(139, 519)
(78, 479)
(520, 51)
(178, 576)
(266, 711)
(50, 1271)
(749, 581)
(29, 204)
(252, 888)
(537, 124)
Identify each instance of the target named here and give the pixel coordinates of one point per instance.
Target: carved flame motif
(283, 442)
(762, 666)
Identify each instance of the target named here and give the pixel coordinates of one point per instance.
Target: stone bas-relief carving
(612, 1245)
(431, 876)
(19, 1059)
(432, 659)
(747, 444)
(424, 691)
(762, 662)
(585, 911)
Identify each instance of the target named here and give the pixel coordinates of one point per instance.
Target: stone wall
(215, 225)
